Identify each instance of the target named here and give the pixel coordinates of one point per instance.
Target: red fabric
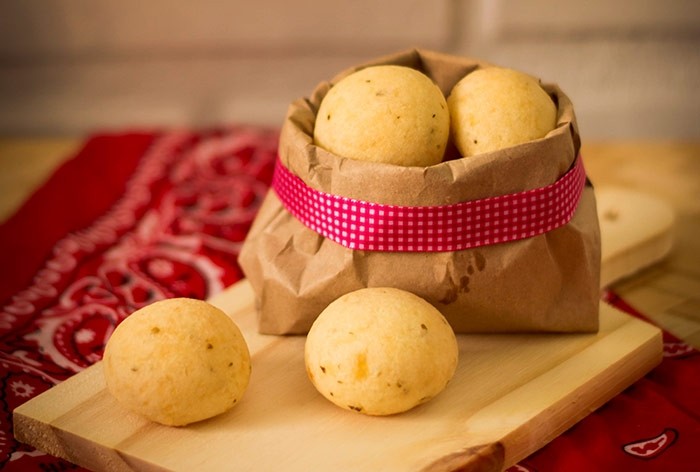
(80, 191)
(370, 226)
(139, 217)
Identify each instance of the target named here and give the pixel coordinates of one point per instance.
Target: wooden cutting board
(510, 396)
(636, 231)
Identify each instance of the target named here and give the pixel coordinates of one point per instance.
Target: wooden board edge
(76, 449)
(482, 458)
(642, 246)
(560, 417)
(31, 425)
(42, 436)
(625, 264)
(70, 387)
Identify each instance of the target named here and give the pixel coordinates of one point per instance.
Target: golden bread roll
(177, 361)
(390, 114)
(495, 108)
(380, 351)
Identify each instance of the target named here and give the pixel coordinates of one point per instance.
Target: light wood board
(510, 396)
(636, 231)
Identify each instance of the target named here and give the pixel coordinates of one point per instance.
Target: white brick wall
(76, 66)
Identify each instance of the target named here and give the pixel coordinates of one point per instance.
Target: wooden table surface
(668, 292)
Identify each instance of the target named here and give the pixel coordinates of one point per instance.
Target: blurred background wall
(632, 67)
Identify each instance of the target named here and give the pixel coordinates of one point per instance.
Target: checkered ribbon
(362, 225)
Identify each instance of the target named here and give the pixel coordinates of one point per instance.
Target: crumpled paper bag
(545, 283)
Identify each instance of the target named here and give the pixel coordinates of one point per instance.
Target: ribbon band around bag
(369, 226)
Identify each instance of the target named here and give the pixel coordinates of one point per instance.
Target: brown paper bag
(543, 283)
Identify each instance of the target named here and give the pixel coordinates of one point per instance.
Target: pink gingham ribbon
(369, 226)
